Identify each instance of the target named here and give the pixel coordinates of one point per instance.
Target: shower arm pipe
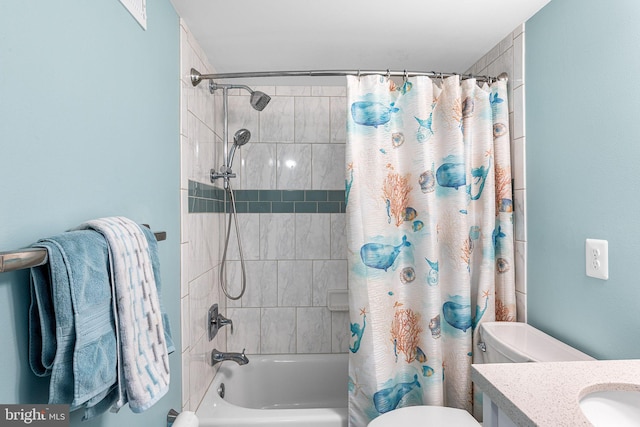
(197, 77)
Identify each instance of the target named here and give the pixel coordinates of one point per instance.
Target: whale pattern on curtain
(430, 237)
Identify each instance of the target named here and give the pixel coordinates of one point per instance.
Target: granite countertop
(548, 393)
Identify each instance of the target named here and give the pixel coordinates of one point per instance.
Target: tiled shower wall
(200, 242)
(508, 56)
(290, 188)
(291, 176)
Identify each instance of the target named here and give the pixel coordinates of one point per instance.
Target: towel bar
(33, 257)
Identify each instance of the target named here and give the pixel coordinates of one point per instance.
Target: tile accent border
(204, 198)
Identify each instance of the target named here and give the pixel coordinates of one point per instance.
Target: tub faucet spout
(219, 356)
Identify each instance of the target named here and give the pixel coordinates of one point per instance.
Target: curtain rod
(197, 77)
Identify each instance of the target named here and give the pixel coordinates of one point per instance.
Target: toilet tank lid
(524, 341)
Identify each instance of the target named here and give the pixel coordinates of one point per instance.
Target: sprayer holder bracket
(225, 173)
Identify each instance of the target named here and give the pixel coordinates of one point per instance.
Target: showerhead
(259, 100)
(240, 138)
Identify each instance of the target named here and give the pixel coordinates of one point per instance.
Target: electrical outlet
(597, 258)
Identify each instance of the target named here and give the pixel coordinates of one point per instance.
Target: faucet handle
(221, 320)
(216, 321)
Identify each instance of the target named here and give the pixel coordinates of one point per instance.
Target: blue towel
(76, 345)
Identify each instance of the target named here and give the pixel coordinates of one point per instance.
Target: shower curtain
(430, 237)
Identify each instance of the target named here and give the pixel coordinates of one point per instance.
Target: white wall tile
(232, 282)
(278, 330)
(340, 334)
(313, 236)
(521, 307)
(249, 225)
(184, 269)
(518, 119)
(262, 284)
(276, 120)
(328, 91)
(518, 164)
(242, 116)
(294, 167)
(258, 166)
(506, 43)
(246, 330)
(277, 236)
(185, 380)
(518, 61)
(503, 64)
(338, 236)
(327, 170)
(312, 119)
(521, 266)
(185, 325)
(338, 107)
(200, 299)
(519, 215)
(328, 275)
(294, 283)
(293, 90)
(313, 330)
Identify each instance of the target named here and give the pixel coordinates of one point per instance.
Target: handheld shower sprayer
(240, 138)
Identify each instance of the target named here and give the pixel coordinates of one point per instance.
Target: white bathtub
(308, 390)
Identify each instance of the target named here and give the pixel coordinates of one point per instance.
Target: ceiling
(416, 35)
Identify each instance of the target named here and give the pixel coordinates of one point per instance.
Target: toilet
(514, 342)
(499, 342)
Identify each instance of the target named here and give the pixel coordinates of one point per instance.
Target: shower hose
(224, 283)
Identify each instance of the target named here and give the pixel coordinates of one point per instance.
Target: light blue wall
(89, 127)
(583, 172)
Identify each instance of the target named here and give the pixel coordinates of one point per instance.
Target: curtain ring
(358, 74)
(388, 74)
(405, 76)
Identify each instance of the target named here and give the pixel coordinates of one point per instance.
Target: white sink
(615, 408)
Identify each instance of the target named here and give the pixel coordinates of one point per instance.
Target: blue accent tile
(282, 207)
(293, 195)
(241, 207)
(336, 195)
(315, 195)
(219, 194)
(259, 207)
(270, 195)
(306, 207)
(247, 195)
(329, 207)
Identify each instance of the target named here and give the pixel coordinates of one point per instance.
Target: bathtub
(307, 390)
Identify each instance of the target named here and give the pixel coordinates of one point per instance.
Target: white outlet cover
(597, 258)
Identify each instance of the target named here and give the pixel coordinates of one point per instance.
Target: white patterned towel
(143, 358)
